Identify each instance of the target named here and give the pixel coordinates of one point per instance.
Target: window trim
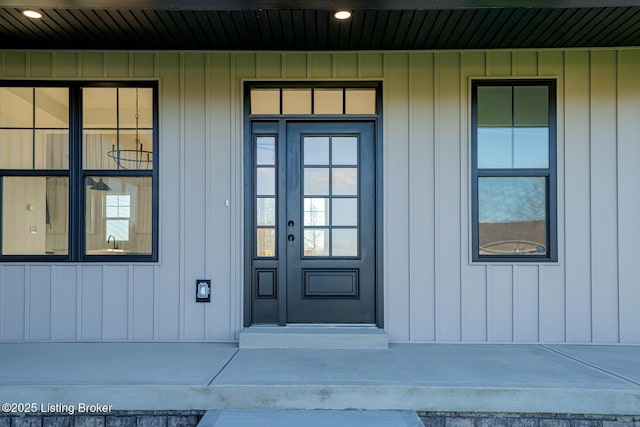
(76, 174)
(549, 173)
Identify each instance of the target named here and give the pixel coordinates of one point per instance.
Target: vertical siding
(396, 197)
(447, 196)
(433, 292)
(628, 157)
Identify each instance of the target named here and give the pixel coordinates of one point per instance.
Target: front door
(314, 239)
(330, 231)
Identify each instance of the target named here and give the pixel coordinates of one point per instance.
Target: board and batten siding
(433, 293)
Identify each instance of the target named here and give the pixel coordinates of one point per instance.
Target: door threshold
(316, 336)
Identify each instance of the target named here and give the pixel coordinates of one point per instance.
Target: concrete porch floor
(419, 377)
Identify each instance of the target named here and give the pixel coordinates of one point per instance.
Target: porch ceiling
(309, 25)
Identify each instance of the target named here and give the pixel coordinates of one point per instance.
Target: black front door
(314, 222)
(330, 233)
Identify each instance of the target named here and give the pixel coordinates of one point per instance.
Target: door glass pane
(345, 212)
(266, 242)
(265, 211)
(316, 181)
(16, 149)
(316, 242)
(512, 215)
(35, 215)
(52, 107)
(118, 215)
(16, 107)
(344, 150)
(296, 101)
(266, 182)
(99, 107)
(531, 147)
(265, 150)
(316, 150)
(345, 182)
(360, 101)
(316, 211)
(495, 148)
(344, 242)
(327, 101)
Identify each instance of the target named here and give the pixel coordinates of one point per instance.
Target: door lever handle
(291, 238)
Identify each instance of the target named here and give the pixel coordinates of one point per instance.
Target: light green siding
(432, 291)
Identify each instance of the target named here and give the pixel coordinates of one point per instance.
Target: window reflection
(512, 215)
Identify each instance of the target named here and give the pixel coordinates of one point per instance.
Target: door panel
(330, 214)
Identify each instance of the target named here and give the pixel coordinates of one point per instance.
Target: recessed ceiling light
(32, 14)
(342, 14)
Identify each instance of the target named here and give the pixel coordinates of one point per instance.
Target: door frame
(248, 190)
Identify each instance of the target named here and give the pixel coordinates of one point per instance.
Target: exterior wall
(432, 290)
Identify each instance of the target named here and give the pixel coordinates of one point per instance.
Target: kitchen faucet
(111, 236)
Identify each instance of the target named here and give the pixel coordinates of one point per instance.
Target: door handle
(291, 238)
(290, 223)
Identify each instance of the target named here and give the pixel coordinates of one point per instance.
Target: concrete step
(325, 337)
(230, 418)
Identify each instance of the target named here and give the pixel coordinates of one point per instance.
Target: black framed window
(514, 170)
(78, 171)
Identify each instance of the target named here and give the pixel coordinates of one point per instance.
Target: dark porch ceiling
(309, 24)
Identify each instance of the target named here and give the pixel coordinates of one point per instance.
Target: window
(513, 170)
(78, 171)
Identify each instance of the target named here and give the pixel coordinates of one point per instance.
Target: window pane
(52, 107)
(531, 106)
(266, 243)
(344, 242)
(345, 212)
(316, 211)
(52, 149)
(132, 101)
(316, 242)
(327, 101)
(345, 182)
(135, 150)
(35, 215)
(495, 148)
(99, 107)
(512, 216)
(266, 182)
(360, 101)
(494, 106)
(265, 101)
(265, 150)
(96, 148)
(118, 215)
(265, 211)
(296, 101)
(316, 150)
(344, 150)
(531, 147)
(316, 181)
(16, 107)
(16, 149)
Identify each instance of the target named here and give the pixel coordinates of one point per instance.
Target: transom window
(78, 177)
(513, 170)
(313, 101)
